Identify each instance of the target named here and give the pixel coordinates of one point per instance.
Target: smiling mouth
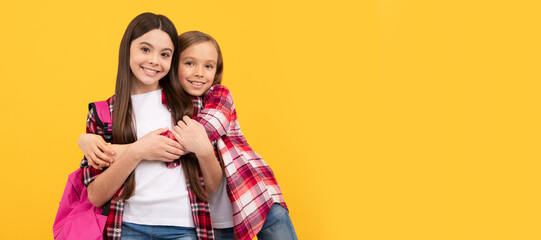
(150, 71)
(196, 83)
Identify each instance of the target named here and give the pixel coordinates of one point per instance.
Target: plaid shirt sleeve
(90, 173)
(252, 187)
(217, 112)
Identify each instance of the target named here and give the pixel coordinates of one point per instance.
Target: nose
(198, 71)
(153, 59)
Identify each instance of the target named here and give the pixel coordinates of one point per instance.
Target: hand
(169, 135)
(192, 136)
(154, 146)
(96, 150)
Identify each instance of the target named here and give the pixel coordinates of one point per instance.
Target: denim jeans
(132, 231)
(224, 233)
(277, 225)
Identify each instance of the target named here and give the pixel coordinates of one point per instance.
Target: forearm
(217, 113)
(192, 137)
(103, 188)
(84, 141)
(211, 170)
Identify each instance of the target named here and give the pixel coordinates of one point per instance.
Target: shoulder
(111, 100)
(92, 111)
(218, 93)
(219, 89)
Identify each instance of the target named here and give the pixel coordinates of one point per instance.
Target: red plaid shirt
(251, 184)
(113, 228)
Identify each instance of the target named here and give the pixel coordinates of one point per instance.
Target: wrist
(205, 153)
(123, 147)
(133, 152)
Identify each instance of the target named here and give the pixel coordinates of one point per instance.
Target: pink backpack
(76, 217)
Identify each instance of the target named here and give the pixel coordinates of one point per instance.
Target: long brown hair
(180, 105)
(189, 161)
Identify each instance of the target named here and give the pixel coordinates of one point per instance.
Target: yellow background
(382, 119)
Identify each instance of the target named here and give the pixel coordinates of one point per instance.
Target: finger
(175, 133)
(88, 160)
(172, 146)
(104, 147)
(176, 151)
(98, 162)
(113, 151)
(172, 143)
(92, 161)
(101, 162)
(177, 129)
(98, 153)
(166, 157)
(169, 157)
(181, 124)
(183, 152)
(187, 119)
(91, 157)
(198, 124)
(92, 164)
(159, 131)
(192, 124)
(102, 156)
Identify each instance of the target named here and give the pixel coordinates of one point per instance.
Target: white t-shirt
(220, 207)
(161, 196)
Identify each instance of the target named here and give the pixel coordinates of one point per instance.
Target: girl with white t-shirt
(254, 196)
(150, 199)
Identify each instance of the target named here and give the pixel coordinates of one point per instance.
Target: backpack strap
(103, 117)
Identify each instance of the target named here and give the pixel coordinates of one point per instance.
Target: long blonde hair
(189, 161)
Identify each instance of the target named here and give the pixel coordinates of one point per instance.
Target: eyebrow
(150, 45)
(190, 58)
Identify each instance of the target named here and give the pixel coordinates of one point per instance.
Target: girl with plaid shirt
(149, 199)
(255, 205)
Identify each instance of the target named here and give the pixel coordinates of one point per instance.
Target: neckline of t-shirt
(142, 95)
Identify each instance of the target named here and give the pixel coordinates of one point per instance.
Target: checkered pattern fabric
(251, 184)
(113, 228)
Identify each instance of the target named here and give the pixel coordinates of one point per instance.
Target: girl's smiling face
(197, 68)
(150, 60)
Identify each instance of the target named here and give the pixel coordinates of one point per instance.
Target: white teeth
(197, 83)
(150, 71)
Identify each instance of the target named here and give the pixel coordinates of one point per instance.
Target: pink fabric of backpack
(76, 217)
